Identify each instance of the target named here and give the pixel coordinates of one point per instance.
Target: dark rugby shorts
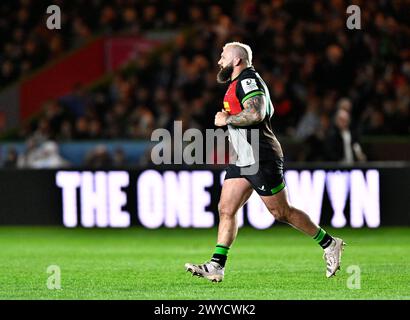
(267, 181)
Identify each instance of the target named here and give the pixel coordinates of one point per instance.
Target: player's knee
(278, 215)
(225, 211)
(281, 213)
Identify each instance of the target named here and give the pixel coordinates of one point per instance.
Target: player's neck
(237, 71)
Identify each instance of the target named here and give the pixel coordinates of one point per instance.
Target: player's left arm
(253, 113)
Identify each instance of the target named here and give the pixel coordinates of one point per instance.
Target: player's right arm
(253, 113)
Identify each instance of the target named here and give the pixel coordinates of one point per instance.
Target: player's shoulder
(249, 81)
(248, 73)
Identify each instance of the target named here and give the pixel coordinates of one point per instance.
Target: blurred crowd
(27, 43)
(47, 155)
(318, 71)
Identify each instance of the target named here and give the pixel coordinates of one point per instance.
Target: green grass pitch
(279, 263)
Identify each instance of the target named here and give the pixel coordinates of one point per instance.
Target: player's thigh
(235, 192)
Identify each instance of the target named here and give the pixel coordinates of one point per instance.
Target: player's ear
(237, 61)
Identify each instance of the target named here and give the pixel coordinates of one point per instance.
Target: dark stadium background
(87, 97)
(67, 85)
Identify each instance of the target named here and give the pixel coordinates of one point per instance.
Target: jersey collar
(248, 68)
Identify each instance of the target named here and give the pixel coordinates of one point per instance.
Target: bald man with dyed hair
(247, 107)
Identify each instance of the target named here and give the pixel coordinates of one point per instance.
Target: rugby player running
(247, 105)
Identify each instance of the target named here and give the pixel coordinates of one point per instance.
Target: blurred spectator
(99, 158)
(81, 128)
(48, 157)
(345, 104)
(66, 131)
(311, 130)
(309, 123)
(374, 122)
(8, 73)
(10, 160)
(342, 143)
(142, 123)
(77, 101)
(30, 155)
(119, 159)
(41, 155)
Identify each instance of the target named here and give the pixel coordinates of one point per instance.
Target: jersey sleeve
(248, 87)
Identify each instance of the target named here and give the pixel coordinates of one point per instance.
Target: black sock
(220, 255)
(220, 259)
(323, 238)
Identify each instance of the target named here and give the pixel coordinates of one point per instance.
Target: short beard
(224, 75)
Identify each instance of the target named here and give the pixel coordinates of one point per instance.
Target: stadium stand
(313, 64)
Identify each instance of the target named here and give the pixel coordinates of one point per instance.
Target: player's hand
(220, 118)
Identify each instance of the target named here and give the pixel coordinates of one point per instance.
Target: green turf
(279, 263)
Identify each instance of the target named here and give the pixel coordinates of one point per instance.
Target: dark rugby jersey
(249, 84)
